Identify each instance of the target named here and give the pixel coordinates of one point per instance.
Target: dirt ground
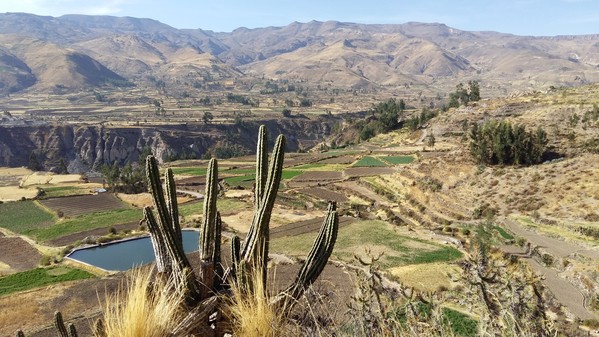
(18, 254)
(74, 206)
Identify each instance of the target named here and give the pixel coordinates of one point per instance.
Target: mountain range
(50, 54)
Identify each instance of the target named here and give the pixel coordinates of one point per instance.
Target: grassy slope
(38, 278)
(23, 216)
(377, 235)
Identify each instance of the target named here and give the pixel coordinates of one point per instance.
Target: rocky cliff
(85, 147)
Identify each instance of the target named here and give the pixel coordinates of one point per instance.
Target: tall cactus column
(255, 250)
(166, 236)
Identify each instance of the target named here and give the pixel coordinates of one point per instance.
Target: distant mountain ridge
(79, 51)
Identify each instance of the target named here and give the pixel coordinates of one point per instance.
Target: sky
(521, 17)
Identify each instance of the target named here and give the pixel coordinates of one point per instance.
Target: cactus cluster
(61, 328)
(202, 293)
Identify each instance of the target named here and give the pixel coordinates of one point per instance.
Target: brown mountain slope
(15, 75)
(345, 55)
(56, 67)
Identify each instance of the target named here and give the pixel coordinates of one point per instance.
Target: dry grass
(14, 193)
(42, 178)
(425, 277)
(144, 309)
(250, 310)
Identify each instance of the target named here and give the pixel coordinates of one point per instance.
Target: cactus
(59, 324)
(203, 294)
(166, 234)
(72, 330)
(255, 250)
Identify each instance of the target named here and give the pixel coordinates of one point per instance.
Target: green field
(369, 162)
(22, 216)
(64, 191)
(222, 204)
(380, 236)
(398, 160)
(83, 223)
(189, 171)
(503, 233)
(39, 277)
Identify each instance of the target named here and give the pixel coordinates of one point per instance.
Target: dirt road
(564, 291)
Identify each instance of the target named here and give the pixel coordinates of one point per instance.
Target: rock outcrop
(85, 147)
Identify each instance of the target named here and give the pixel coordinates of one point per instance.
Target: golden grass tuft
(142, 307)
(250, 311)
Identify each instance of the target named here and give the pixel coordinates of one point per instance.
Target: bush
(112, 230)
(46, 260)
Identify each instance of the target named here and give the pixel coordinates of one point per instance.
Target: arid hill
(430, 57)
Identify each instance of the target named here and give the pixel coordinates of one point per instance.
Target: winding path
(564, 291)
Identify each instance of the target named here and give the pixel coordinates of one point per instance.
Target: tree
(207, 117)
(286, 113)
(474, 91)
(430, 141)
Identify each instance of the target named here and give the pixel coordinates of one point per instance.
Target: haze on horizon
(520, 17)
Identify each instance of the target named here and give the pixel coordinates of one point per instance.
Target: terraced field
(79, 205)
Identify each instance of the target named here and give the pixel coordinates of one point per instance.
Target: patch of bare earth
(74, 206)
(324, 194)
(18, 254)
(368, 171)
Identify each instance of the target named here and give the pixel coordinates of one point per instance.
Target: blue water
(128, 254)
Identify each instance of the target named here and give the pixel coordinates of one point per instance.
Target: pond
(124, 255)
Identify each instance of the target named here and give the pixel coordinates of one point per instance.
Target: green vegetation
(399, 249)
(369, 162)
(245, 181)
(22, 216)
(83, 223)
(461, 324)
(500, 143)
(189, 171)
(398, 160)
(64, 191)
(39, 277)
(385, 118)
(289, 174)
(462, 96)
(503, 233)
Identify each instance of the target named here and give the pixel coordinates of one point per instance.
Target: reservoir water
(125, 255)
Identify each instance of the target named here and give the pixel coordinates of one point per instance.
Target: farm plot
(75, 206)
(21, 216)
(370, 162)
(324, 194)
(14, 193)
(18, 254)
(318, 176)
(352, 172)
(398, 160)
(343, 160)
(306, 226)
(361, 238)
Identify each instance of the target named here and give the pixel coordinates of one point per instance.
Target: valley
(370, 121)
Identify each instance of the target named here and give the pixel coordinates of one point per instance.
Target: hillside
(429, 57)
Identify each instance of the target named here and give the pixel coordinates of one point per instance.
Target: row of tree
(384, 118)
(501, 143)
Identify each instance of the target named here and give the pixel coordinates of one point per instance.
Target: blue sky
(522, 17)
